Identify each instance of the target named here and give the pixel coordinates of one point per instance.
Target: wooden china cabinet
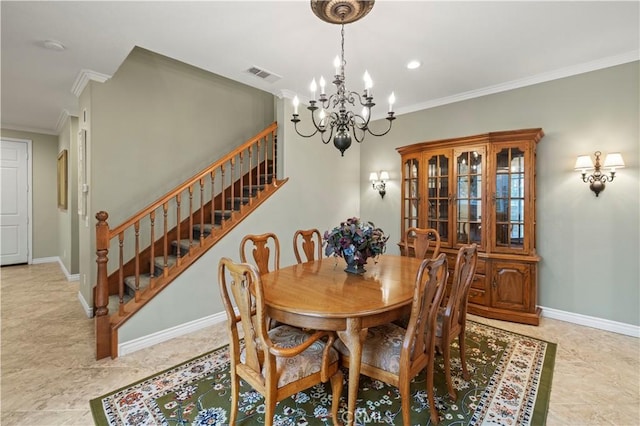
(481, 189)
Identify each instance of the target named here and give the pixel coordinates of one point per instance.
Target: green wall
(589, 246)
(154, 124)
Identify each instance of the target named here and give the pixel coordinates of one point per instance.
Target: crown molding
(83, 79)
(528, 81)
(64, 115)
(18, 128)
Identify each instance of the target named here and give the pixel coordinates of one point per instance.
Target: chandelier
(331, 115)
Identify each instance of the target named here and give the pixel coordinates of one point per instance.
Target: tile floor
(49, 374)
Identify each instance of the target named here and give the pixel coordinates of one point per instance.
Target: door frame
(29, 144)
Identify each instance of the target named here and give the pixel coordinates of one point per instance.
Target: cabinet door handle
(494, 284)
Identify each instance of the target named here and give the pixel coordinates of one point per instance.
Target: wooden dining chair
(395, 355)
(309, 242)
(262, 247)
(276, 362)
(424, 241)
(452, 315)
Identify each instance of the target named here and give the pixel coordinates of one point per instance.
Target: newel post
(103, 328)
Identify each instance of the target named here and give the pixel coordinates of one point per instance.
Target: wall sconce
(597, 179)
(379, 184)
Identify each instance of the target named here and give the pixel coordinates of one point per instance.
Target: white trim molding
(56, 259)
(593, 322)
(170, 333)
(83, 79)
(85, 306)
(612, 61)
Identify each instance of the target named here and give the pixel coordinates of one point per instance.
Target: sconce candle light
(379, 183)
(597, 179)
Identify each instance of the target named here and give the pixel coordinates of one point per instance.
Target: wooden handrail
(141, 250)
(142, 213)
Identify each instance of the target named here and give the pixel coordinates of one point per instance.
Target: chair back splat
(452, 316)
(263, 245)
(423, 243)
(276, 362)
(395, 355)
(309, 243)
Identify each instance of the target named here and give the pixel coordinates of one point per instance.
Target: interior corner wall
(589, 246)
(155, 123)
(44, 148)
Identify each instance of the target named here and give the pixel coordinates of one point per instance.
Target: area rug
(510, 384)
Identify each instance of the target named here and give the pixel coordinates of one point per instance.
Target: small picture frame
(62, 179)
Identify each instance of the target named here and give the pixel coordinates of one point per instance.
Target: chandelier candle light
(329, 114)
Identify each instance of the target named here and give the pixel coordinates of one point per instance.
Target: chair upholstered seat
(382, 347)
(277, 362)
(302, 365)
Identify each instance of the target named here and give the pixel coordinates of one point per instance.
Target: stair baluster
(246, 176)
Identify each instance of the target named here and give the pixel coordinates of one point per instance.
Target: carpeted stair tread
(207, 227)
(130, 282)
(252, 191)
(235, 202)
(159, 262)
(114, 302)
(185, 244)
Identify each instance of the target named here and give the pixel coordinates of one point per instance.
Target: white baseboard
(593, 322)
(87, 309)
(53, 259)
(45, 260)
(190, 327)
(170, 333)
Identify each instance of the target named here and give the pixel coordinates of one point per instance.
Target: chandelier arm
(354, 132)
(295, 121)
(330, 135)
(390, 118)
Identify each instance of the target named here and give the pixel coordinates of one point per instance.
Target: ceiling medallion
(341, 11)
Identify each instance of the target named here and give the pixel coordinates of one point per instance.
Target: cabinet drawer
(477, 296)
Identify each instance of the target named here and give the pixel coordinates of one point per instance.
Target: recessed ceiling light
(53, 45)
(412, 65)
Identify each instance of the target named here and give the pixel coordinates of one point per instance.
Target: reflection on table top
(322, 288)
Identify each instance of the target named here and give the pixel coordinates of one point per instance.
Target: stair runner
(219, 215)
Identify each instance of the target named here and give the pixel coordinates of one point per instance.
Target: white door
(14, 202)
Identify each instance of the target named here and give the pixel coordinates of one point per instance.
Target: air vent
(264, 74)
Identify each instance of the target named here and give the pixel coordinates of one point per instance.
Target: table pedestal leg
(353, 337)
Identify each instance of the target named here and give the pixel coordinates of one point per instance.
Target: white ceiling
(467, 48)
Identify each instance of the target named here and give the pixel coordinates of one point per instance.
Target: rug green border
(96, 403)
(540, 411)
(541, 406)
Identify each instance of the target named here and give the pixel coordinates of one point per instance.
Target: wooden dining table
(320, 295)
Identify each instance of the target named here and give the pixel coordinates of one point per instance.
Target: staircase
(157, 244)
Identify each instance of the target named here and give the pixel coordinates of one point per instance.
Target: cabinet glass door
(411, 191)
(510, 199)
(468, 201)
(438, 194)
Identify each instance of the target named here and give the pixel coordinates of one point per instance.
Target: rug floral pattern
(509, 385)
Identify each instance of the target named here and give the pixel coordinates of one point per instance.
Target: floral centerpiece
(355, 241)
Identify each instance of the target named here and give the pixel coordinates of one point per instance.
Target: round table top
(323, 289)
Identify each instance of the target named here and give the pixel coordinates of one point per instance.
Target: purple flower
(354, 238)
